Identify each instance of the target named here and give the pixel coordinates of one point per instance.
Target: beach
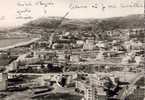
(11, 43)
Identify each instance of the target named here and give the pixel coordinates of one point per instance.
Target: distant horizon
(9, 27)
(90, 17)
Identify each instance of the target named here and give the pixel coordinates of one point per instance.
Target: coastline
(19, 44)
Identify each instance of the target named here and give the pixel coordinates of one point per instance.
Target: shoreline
(19, 44)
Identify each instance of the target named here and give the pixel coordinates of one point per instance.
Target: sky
(10, 15)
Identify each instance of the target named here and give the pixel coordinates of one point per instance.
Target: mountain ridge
(54, 23)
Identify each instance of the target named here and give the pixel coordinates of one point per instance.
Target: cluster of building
(62, 53)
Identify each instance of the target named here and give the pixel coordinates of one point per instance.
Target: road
(127, 91)
(78, 52)
(42, 74)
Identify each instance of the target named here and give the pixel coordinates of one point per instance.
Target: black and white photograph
(72, 50)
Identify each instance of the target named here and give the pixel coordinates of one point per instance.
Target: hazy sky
(9, 9)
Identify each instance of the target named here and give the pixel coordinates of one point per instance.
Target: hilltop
(53, 23)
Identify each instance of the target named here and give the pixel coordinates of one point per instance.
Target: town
(75, 65)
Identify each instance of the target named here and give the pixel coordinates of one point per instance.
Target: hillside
(53, 23)
(132, 21)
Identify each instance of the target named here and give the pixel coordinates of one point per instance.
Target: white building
(3, 81)
(74, 58)
(90, 91)
(89, 44)
(139, 60)
(100, 55)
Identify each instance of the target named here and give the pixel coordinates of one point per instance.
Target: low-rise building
(90, 91)
(4, 81)
(92, 88)
(89, 44)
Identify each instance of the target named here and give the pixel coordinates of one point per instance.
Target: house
(4, 81)
(89, 44)
(74, 58)
(139, 60)
(80, 42)
(102, 45)
(90, 91)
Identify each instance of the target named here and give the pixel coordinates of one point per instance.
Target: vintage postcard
(72, 50)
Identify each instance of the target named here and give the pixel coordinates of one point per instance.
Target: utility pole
(53, 34)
